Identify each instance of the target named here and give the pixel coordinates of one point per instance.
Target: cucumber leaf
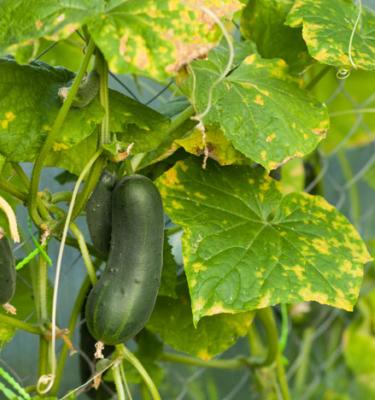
(327, 29)
(247, 246)
(263, 22)
(156, 38)
(173, 322)
(259, 107)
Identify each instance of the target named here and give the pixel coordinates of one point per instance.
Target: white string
(49, 379)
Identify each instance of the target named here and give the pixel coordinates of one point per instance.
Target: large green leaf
(327, 29)
(262, 21)
(246, 246)
(23, 22)
(29, 104)
(156, 38)
(173, 321)
(259, 108)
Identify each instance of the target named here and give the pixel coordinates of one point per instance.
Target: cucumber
(98, 213)
(7, 270)
(122, 301)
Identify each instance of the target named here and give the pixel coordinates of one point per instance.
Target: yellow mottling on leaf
(322, 55)
(183, 167)
(198, 267)
(38, 24)
(198, 304)
(259, 100)
(251, 181)
(200, 195)
(264, 301)
(9, 117)
(271, 137)
(59, 146)
(60, 18)
(218, 308)
(308, 295)
(176, 205)
(170, 178)
(250, 59)
(204, 354)
(263, 155)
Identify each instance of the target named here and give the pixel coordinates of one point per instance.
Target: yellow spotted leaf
(248, 246)
(156, 38)
(259, 107)
(327, 31)
(173, 321)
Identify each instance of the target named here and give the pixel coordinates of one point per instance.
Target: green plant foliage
(173, 321)
(263, 21)
(327, 28)
(246, 246)
(155, 38)
(248, 106)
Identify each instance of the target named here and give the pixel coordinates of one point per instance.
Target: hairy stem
(105, 135)
(63, 112)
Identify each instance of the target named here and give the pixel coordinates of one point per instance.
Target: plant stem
(284, 327)
(234, 363)
(13, 190)
(267, 318)
(61, 196)
(89, 186)
(129, 356)
(300, 379)
(317, 77)
(80, 299)
(21, 174)
(355, 209)
(62, 114)
(43, 313)
(105, 135)
(18, 324)
(85, 253)
(281, 376)
(70, 241)
(118, 381)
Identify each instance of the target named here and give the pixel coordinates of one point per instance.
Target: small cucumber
(98, 212)
(7, 270)
(122, 301)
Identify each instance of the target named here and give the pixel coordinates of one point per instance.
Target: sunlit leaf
(327, 29)
(246, 246)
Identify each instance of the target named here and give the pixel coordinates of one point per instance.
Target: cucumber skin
(122, 301)
(99, 213)
(7, 271)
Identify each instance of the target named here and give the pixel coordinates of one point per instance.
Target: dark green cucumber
(7, 270)
(98, 213)
(122, 301)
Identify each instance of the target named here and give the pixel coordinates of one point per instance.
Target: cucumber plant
(222, 160)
